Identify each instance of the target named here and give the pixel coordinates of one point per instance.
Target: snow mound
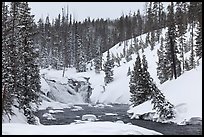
(89, 117)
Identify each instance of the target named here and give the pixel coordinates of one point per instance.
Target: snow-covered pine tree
(152, 41)
(171, 50)
(10, 73)
(181, 21)
(80, 55)
(41, 41)
(108, 69)
(198, 39)
(147, 80)
(129, 72)
(48, 51)
(142, 88)
(192, 18)
(163, 108)
(30, 76)
(136, 84)
(198, 45)
(187, 67)
(70, 44)
(7, 76)
(161, 64)
(128, 55)
(98, 60)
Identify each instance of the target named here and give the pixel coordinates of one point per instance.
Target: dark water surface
(119, 111)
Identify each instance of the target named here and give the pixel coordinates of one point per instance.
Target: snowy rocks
(89, 117)
(76, 108)
(120, 122)
(194, 121)
(49, 116)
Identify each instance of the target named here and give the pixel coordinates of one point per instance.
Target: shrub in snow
(89, 117)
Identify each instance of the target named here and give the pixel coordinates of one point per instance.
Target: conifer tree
(30, 75)
(80, 56)
(163, 108)
(198, 39)
(108, 69)
(129, 72)
(142, 88)
(161, 64)
(171, 50)
(181, 21)
(98, 61)
(136, 84)
(7, 76)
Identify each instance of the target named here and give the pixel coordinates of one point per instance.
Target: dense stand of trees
(64, 42)
(20, 71)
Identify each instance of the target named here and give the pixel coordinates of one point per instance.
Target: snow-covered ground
(86, 128)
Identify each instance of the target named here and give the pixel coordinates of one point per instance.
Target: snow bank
(88, 128)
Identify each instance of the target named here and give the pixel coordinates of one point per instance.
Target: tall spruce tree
(7, 75)
(181, 21)
(108, 69)
(161, 64)
(142, 88)
(198, 39)
(171, 50)
(80, 53)
(98, 60)
(29, 79)
(137, 91)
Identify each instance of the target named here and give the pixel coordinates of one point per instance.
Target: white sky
(82, 10)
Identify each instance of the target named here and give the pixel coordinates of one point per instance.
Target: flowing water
(114, 112)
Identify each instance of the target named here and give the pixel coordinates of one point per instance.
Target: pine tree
(152, 42)
(41, 42)
(129, 72)
(163, 108)
(108, 69)
(161, 64)
(147, 80)
(48, 45)
(198, 39)
(181, 21)
(98, 61)
(136, 84)
(187, 67)
(192, 19)
(171, 50)
(29, 78)
(7, 76)
(80, 53)
(142, 88)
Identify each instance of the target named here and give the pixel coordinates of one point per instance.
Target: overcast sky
(82, 10)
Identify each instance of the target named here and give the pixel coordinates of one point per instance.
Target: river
(114, 112)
